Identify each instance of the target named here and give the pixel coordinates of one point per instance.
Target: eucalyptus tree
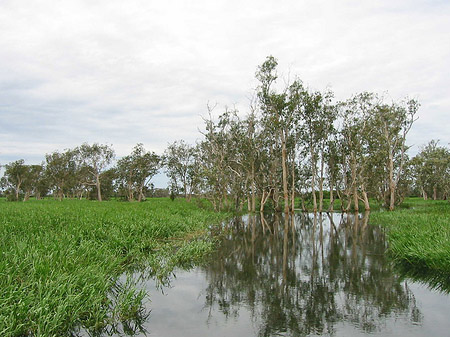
(221, 164)
(251, 147)
(15, 176)
(431, 170)
(332, 164)
(316, 116)
(325, 134)
(269, 175)
(393, 122)
(34, 179)
(355, 132)
(278, 113)
(181, 164)
(95, 159)
(135, 171)
(61, 171)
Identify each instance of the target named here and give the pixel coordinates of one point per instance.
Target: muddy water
(300, 276)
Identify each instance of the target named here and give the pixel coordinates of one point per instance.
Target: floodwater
(304, 275)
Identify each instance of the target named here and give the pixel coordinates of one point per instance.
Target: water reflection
(305, 274)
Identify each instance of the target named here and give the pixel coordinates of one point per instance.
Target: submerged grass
(61, 261)
(419, 234)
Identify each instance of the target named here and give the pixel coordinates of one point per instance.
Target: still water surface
(300, 276)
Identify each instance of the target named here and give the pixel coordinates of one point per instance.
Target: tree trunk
(264, 198)
(330, 208)
(284, 166)
(293, 188)
(354, 184)
(321, 182)
(365, 200)
(303, 205)
(276, 200)
(391, 182)
(263, 201)
(424, 194)
(141, 192)
(99, 191)
(355, 198)
(253, 188)
(313, 182)
(60, 194)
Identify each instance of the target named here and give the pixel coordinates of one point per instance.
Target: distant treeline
(292, 141)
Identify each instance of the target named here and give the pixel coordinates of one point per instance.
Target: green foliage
(61, 261)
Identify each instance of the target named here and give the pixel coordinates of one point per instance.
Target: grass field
(60, 261)
(419, 235)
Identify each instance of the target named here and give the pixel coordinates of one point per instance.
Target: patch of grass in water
(419, 236)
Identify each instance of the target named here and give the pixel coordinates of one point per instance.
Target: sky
(128, 72)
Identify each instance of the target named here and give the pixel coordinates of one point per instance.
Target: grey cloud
(138, 71)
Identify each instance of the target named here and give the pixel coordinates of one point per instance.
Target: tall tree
(135, 171)
(355, 136)
(431, 170)
(278, 113)
(217, 155)
(394, 122)
(181, 164)
(33, 181)
(61, 171)
(95, 159)
(14, 176)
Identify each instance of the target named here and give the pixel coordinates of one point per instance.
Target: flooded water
(300, 276)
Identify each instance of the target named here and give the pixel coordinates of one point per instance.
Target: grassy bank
(60, 261)
(419, 234)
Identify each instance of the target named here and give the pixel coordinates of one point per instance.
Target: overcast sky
(127, 72)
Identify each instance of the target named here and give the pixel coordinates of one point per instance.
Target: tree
(279, 111)
(61, 171)
(355, 138)
(181, 164)
(431, 170)
(316, 115)
(34, 181)
(218, 161)
(95, 159)
(134, 172)
(14, 176)
(393, 122)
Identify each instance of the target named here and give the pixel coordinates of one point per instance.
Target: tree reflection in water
(304, 274)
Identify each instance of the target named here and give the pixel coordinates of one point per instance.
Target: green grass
(60, 262)
(419, 234)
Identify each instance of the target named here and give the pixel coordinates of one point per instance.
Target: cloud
(138, 71)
